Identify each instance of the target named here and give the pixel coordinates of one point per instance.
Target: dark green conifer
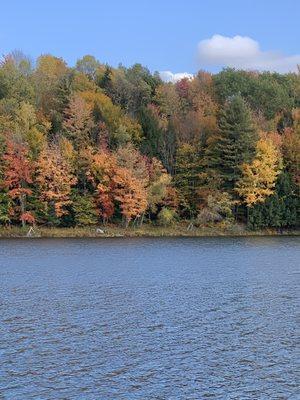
(236, 142)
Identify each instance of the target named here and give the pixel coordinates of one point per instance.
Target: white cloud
(168, 76)
(244, 53)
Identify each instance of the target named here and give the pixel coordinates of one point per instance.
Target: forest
(94, 144)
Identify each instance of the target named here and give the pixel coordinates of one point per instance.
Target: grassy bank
(179, 229)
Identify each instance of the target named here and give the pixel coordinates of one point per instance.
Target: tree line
(93, 143)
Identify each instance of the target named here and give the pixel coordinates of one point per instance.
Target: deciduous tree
(55, 180)
(259, 177)
(78, 121)
(17, 179)
(130, 195)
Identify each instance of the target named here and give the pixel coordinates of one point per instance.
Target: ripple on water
(149, 319)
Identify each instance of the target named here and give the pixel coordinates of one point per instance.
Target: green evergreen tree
(104, 81)
(281, 210)
(236, 142)
(5, 204)
(187, 173)
(152, 142)
(84, 210)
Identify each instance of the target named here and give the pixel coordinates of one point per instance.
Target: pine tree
(84, 209)
(152, 131)
(280, 210)
(187, 172)
(236, 142)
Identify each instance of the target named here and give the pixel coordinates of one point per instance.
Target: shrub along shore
(182, 229)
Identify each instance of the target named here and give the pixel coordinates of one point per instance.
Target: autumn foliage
(259, 177)
(54, 180)
(17, 178)
(96, 144)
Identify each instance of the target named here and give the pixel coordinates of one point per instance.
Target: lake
(169, 318)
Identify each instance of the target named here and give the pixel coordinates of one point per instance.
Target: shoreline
(150, 231)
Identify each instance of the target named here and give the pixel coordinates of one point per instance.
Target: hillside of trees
(95, 144)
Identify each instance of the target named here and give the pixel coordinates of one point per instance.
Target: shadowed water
(149, 318)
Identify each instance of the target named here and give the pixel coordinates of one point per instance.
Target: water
(149, 318)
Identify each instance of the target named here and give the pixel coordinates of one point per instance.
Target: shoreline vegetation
(110, 231)
(119, 148)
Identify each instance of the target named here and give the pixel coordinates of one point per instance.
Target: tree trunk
(22, 204)
(142, 219)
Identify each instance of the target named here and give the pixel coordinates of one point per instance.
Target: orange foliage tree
(117, 184)
(100, 175)
(55, 180)
(130, 194)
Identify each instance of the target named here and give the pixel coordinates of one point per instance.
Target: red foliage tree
(17, 178)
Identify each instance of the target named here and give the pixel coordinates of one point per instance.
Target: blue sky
(163, 35)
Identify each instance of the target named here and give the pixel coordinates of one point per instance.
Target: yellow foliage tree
(122, 128)
(259, 177)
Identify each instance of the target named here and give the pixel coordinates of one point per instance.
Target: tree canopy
(93, 143)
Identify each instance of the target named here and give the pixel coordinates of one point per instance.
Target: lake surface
(149, 318)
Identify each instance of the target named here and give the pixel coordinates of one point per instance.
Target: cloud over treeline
(241, 52)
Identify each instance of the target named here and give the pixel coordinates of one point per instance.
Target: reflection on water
(149, 318)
